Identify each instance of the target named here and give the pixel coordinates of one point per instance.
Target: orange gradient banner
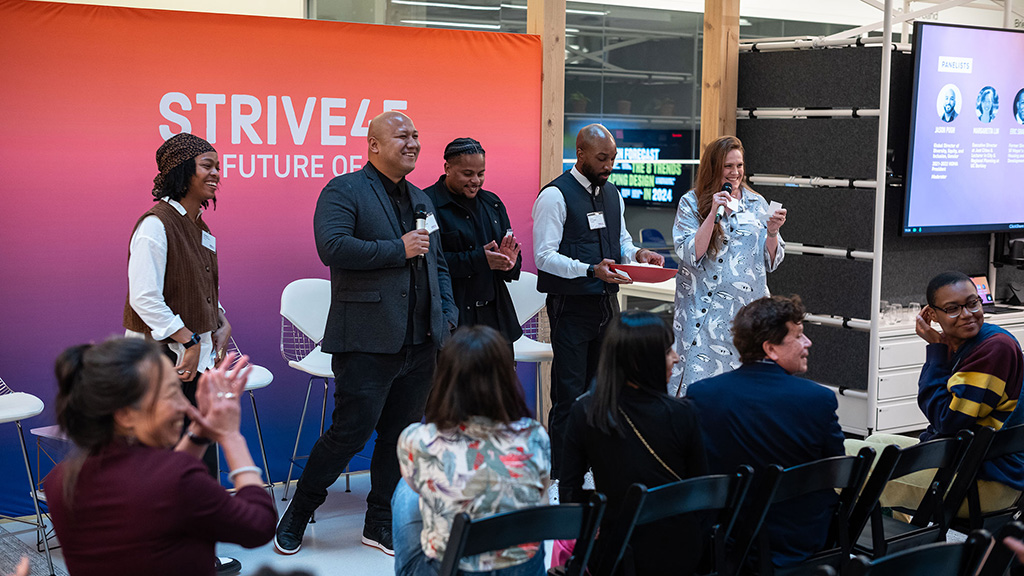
(90, 92)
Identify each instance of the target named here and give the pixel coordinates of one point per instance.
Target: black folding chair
(988, 445)
(563, 522)
(939, 559)
(774, 486)
(884, 535)
(722, 494)
(1000, 557)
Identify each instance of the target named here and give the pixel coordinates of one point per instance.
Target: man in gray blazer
(391, 309)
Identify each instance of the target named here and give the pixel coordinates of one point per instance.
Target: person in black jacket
(477, 240)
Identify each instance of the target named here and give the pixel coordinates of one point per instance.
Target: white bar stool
(14, 407)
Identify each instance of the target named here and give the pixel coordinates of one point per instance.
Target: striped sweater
(978, 385)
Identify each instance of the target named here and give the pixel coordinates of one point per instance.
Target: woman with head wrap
(172, 266)
(477, 240)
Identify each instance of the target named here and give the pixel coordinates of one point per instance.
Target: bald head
(393, 144)
(595, 153)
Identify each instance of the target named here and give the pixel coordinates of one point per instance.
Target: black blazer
(467, 262)
(358, 236)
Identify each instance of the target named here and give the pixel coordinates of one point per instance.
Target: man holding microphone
(391, 310)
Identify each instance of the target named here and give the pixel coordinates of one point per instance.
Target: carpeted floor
(12, 548)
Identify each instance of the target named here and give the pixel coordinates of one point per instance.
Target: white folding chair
(259, 377)
(528, 302)
(14, 407)
(304, 307)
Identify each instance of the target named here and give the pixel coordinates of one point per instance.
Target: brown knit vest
(190, 280)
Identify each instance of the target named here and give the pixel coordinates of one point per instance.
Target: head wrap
(461, 147)
(173, 152)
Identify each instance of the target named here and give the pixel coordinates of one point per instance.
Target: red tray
(649, 274)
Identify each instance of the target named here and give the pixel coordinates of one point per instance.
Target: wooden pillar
(546, 18)
(719, 70)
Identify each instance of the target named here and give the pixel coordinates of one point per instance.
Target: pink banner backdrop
(90, 92)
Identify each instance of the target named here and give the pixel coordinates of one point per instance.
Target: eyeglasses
(953, 310)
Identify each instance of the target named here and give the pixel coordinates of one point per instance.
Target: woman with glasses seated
(971, 378)
(135, 498)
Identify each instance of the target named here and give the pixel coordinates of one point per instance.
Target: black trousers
(189, 389)
(577, 329)
(382, 392)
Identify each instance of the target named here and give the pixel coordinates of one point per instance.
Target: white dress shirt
(548, 223)
(147, 266)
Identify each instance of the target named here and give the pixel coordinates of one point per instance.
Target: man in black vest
(578, 231)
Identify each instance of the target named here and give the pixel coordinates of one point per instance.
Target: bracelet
(243, 470)
(770, 235)
(198, 440)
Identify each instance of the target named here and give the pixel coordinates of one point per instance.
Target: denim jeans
(409, 557)
(382, 392)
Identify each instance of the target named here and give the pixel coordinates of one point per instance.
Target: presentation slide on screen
(968, 131)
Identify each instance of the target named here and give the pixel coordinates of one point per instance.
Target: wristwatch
(198, 440)
(591, 272)
(192, 341)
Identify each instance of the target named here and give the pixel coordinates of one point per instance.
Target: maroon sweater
(152, 511)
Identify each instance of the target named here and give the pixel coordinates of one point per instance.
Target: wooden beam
(719, 70)
(546, 18)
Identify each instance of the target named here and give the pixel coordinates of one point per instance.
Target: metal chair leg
(298, 434)
(40, 526)
(263, 450)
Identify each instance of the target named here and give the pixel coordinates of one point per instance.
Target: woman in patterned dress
(479, 452)
(722, 262)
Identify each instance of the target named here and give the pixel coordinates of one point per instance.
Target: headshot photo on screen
(1018, 106)
(988, 103)
(948, 104)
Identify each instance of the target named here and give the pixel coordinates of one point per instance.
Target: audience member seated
(124, 502)
(629, 430)
(762, 414)
(971, 378)
(479, 452)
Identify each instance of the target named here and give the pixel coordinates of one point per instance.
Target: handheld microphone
(420, 213)
(727, 187)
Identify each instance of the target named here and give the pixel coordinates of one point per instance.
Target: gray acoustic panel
(837, 217)
(838, 356)
(910, 262)
(833, 78)
(827, 147)
(835, 286)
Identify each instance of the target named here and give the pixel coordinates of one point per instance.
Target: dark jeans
(382, 392)
(577, 329)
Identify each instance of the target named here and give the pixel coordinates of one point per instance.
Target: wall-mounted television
(653, 167)
(965, 168)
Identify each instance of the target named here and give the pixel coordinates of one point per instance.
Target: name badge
(209, 241)
(596, 220)
(431, 224)
(745, 218)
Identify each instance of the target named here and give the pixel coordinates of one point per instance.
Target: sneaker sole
(373, 544)
(284, 551)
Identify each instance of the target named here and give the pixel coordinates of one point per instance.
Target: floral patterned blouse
(482, 468)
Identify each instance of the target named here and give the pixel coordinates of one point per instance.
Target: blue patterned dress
(710, 291)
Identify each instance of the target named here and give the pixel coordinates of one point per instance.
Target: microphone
(727, 187)
(420, 213)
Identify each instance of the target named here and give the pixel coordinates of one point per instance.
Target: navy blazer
(359, 237)
(760, 415)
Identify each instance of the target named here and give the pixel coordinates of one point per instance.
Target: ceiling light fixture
(455, 24)
(444, 5)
